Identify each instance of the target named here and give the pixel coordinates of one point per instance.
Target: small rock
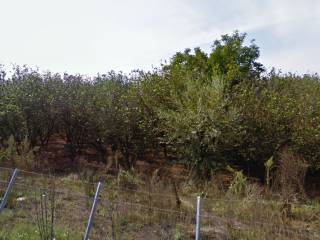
(21, 199)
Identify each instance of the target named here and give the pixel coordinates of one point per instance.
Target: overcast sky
(91, 36)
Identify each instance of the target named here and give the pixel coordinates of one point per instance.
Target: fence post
(8, 190)
(92, 213)
(198, 219)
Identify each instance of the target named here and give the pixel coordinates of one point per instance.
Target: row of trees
(207, 110)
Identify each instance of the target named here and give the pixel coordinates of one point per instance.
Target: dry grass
(135, 206)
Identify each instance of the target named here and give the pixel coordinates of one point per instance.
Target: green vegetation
(204, 110)
(130, 209)
(218, 114)
(30, 232)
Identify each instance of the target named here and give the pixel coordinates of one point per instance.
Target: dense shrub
(205, 110)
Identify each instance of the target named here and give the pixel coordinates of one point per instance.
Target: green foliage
(179, 234)
(45, 213)
(268, 165)
(230, 58)
(239, 184)
(21, 155)
(192, 124)
(9, 153)
(128, 179)
(206, 110)
(25, 231)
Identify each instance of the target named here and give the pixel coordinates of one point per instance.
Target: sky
(96, 36)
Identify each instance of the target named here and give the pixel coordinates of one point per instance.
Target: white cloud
(100, 35)
(297, 50)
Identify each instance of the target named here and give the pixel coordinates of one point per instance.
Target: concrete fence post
(198, 218)
(8, 190)
(93, 212)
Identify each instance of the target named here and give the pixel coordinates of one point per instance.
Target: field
(135, 206)
(216, 125)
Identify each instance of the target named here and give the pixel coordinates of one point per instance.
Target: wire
(206, 199)
(146, 208)
(275, 224)
(27, 187)
(93, 184)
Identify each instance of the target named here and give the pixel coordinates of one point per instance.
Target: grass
(25, 231)
(13, 230)
(133, 206)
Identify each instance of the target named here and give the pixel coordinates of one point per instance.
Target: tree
(229, 58)
(236, 62)
(75, 103)
(36, 96)
(191, 124)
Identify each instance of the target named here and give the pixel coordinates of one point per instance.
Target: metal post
(92, 213)
(9, 189)
(198, 219)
